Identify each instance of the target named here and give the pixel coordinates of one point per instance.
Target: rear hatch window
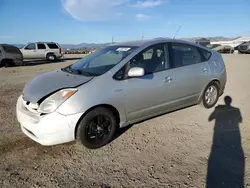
(11, 49)
(52, 46)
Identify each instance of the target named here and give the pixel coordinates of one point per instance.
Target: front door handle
(205, 70)
(168, 79)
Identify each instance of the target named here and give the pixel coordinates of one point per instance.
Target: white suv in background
(42, 50)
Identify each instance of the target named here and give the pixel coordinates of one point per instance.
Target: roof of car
(148, 42)
(42, 42)
(7, 45)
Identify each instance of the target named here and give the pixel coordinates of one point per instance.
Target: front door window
(30, 47)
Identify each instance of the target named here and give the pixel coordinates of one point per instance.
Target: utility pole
(177, 32)
(142, 36)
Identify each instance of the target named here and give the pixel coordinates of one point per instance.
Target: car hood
(47, 83)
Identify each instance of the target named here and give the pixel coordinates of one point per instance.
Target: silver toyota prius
(119, 85)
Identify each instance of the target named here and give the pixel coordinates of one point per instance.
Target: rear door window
(41, 46)
(184, 55)
(52, 46)
(31, 46)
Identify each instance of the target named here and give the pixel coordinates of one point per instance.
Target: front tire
(97, 128)
(210, 95)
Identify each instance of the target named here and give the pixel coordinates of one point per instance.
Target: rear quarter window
(11, 49)
(52, 46)
(206, 54)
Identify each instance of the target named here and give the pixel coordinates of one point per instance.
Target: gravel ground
(173, 150)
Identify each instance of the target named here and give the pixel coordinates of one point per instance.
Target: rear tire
(210, 95)
(97, 128)
(51, 57)
(1, 64)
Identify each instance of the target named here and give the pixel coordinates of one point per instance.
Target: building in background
(202, 41)
(233, 43)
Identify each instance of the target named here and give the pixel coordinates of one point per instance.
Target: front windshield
(100, 61)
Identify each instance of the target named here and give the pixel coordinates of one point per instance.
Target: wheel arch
(108, 106)
(50, 53)
(216, 81)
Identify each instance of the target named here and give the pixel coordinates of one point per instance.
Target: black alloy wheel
(97, 128)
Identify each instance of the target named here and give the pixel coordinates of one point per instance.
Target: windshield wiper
(70, 70)
(76, 71)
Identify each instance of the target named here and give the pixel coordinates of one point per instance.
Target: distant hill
(18, 45)
(100, 45)
(84, 45)
(193, 39)
(95, 45)
(74, 46)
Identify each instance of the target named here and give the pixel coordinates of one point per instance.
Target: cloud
(142, 17)
(104, 10)
(94, 10)
(149, 3)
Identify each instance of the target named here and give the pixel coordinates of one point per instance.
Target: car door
(192, 73)
(150, 94)
(41, 51)
(30, 51)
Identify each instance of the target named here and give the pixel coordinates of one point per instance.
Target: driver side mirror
(136, 72)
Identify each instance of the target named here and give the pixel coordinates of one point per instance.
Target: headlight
(51, 103)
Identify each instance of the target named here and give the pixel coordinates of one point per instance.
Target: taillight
(60, 50)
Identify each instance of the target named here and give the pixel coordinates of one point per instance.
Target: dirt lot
(168, 151)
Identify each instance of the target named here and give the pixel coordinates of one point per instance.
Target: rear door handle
(168, 79)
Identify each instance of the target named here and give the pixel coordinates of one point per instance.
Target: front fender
(95, 93)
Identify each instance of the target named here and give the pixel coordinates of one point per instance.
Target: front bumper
(49, 129)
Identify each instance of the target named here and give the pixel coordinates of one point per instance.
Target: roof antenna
(177, 31)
